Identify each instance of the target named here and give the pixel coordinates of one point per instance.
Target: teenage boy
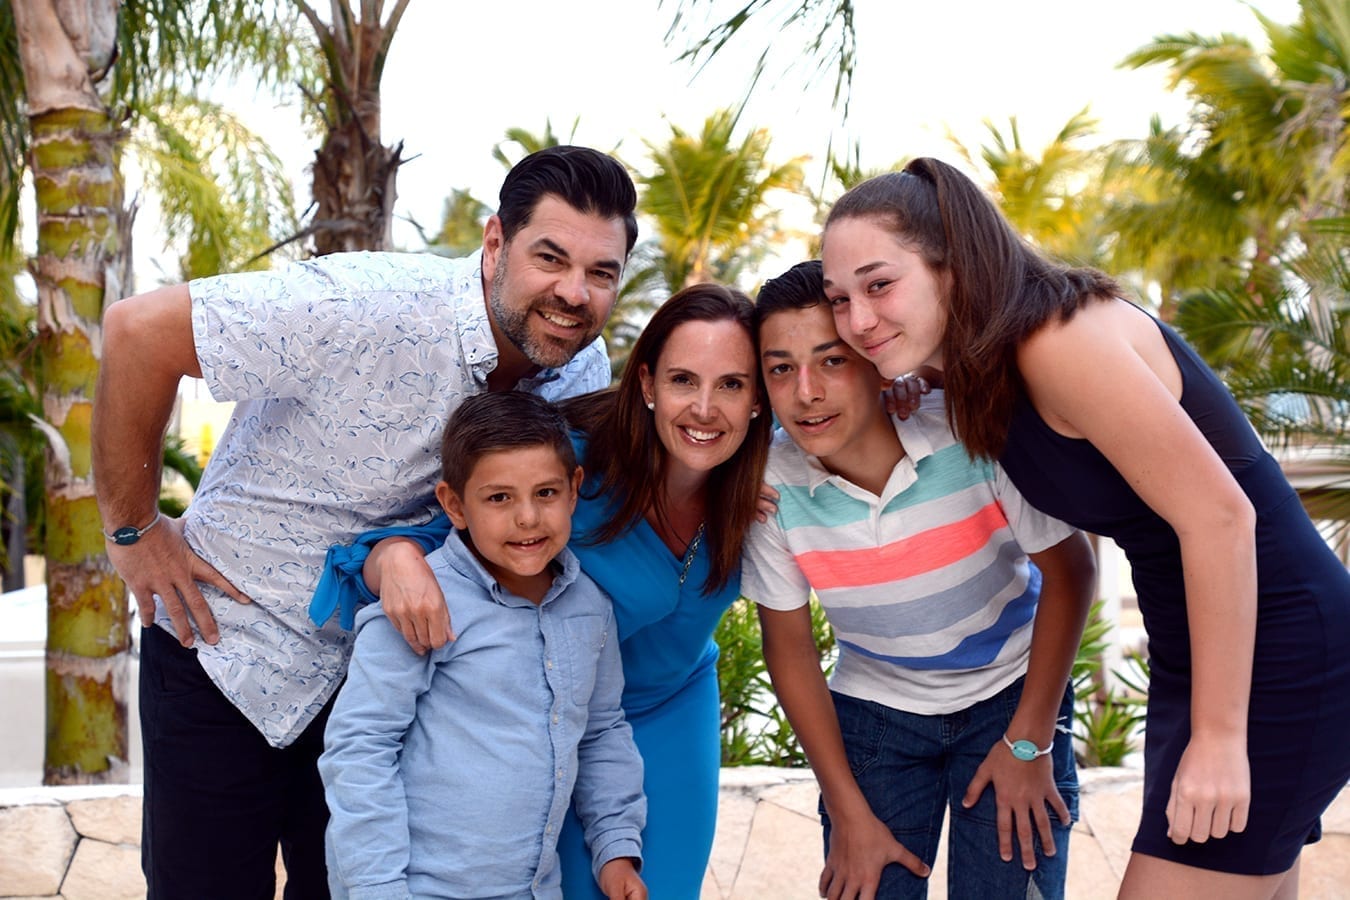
(919, 557)
(343, 370)
(448, 774)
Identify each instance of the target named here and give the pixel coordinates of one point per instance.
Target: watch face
(126, 535)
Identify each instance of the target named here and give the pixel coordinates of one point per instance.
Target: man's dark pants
(219, 799)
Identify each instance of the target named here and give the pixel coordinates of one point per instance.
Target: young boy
(918, 556)
(448, 774)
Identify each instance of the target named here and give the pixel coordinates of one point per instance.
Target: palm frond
(222, 189)
(831, 43)
(707, 198)
(13, 127)
(166, 45)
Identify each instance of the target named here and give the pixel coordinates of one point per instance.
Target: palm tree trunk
(353, 172)
(354, 189)
(83, 247)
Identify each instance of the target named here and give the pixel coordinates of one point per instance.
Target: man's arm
(147, 349)
(861, 846)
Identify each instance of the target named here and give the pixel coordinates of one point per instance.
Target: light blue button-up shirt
(344, 370)
(448, 775)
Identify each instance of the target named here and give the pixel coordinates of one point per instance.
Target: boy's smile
(517, 507)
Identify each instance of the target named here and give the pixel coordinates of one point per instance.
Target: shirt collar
(915, 433)
(914, 437)
(566, 568)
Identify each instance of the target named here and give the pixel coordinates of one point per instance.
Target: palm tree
(461, 230)
(20, 446)
(60, 58)
(1055, 200)
(223, 193)
(1246, 227)
(83, 229)
(527, 142)
(1263, 153)
(708, 199)
(1286, 358)
(353, 172)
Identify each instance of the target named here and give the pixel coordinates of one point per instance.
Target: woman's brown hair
(1002, 290)
(626, 461)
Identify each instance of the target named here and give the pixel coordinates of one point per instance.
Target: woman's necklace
(691, 553)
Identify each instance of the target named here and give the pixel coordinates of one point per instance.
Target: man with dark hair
(344, 370)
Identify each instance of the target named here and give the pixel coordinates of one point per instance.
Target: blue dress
(1299, 717)
(670, 698)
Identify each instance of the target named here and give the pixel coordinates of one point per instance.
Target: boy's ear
(577, 474)
(452, 504)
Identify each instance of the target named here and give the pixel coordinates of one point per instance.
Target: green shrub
(1106, 719)
(755, 730)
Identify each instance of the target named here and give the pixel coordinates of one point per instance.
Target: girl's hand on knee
(1022, 792)
(1211, 791)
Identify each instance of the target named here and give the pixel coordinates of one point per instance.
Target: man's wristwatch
(130, 534)
(1026, 750)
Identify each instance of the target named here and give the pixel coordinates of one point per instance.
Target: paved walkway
(768, 840)
(82, 843)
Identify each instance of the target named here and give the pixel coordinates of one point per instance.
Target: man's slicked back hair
(587, 180)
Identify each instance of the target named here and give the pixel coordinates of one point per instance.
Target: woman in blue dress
(1104, 418)
(674, 459)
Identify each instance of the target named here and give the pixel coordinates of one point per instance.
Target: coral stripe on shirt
(917, 554)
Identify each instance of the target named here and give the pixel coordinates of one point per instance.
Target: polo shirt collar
(914, 437)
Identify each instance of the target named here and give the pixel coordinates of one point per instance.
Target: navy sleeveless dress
(1299, 719)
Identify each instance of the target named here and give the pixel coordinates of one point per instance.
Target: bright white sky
(460, 74)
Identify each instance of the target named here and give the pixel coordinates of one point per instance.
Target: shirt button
(548, 830)
(555, 718)
(548, 663)
(560, 773)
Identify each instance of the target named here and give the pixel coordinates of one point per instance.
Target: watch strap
(130, 534)
(1026, 750)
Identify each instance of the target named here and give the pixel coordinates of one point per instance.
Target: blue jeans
(912, 768)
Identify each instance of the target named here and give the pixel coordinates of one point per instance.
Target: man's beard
(544, 350)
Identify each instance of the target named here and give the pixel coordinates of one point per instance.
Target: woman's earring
(754, 413)
(651, 404)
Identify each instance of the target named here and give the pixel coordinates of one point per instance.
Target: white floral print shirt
(343, 370)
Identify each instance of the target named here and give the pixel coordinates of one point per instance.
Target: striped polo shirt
(928, 587)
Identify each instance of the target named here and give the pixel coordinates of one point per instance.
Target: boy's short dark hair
(800, 287)
(497, 421)
(587, 180)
